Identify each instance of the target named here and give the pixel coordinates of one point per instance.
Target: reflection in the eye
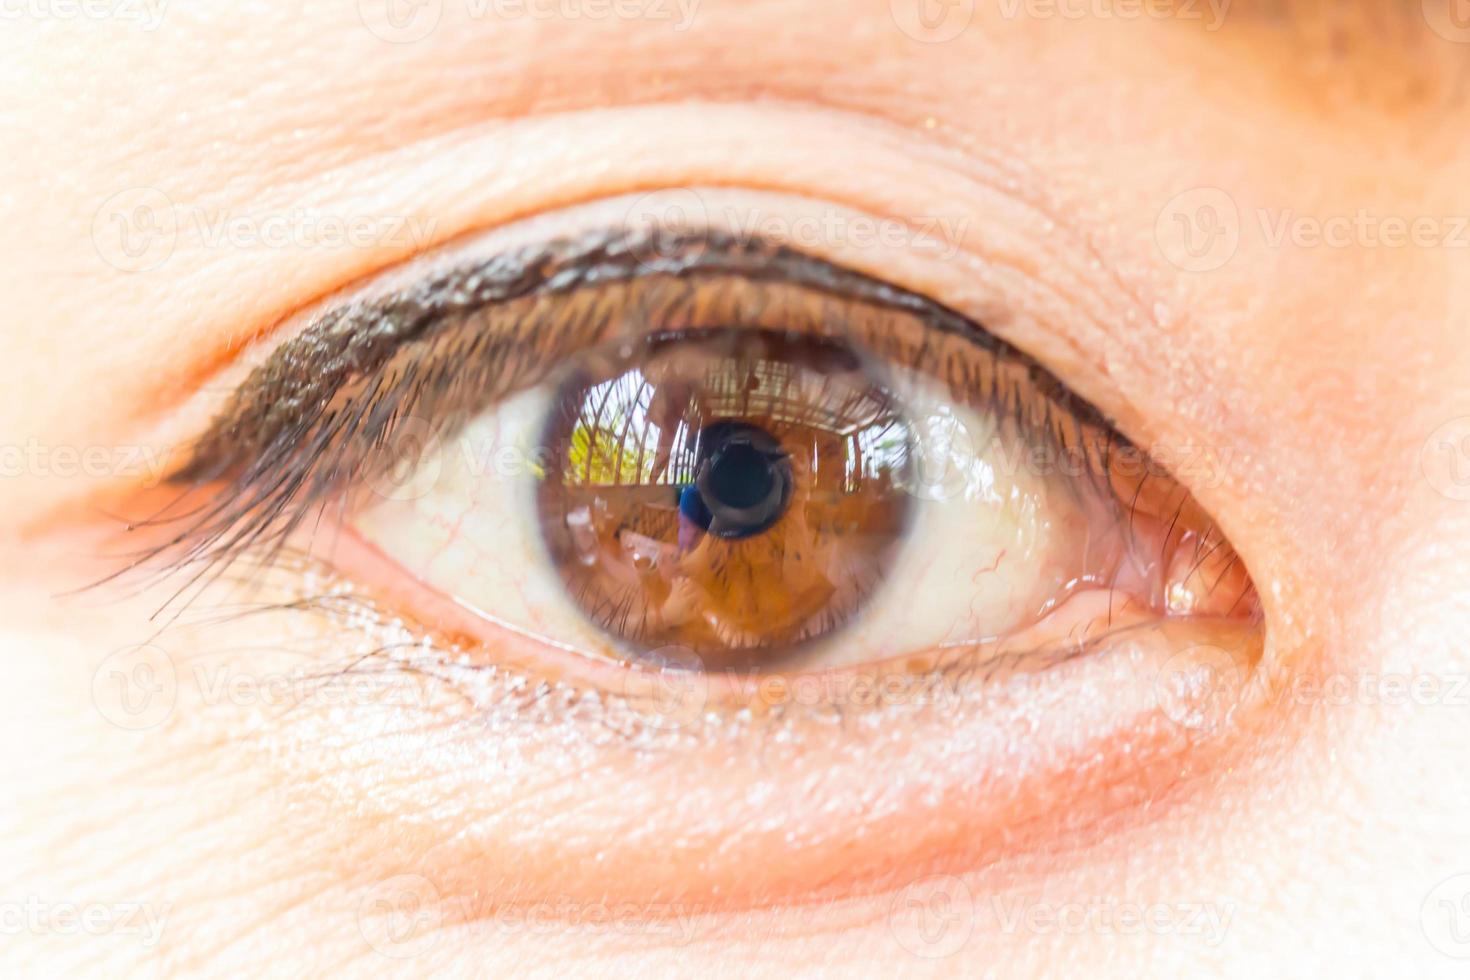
(736, 493)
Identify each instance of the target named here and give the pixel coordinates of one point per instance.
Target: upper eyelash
(285, 451)
(357, 338)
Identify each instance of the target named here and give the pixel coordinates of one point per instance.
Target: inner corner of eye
(744, 487)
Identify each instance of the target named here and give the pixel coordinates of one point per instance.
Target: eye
(872, 589)
(704, 452)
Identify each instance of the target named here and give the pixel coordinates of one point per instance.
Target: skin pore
(1075, 170)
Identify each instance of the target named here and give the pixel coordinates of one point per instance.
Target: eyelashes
(373, 383)
(357, 339)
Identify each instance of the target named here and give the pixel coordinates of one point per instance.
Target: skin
(1062, 152)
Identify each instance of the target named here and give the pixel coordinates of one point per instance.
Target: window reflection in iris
(735, 493)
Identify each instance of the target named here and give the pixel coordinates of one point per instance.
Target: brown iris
(731, 493)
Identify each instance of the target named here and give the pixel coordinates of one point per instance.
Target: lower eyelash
(405, 667)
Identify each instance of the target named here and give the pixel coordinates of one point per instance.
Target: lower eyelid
(529, 780)
(499, 776)
(950, 770)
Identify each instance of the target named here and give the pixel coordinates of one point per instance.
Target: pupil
(745, 481)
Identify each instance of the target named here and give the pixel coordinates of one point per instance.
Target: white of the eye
(470, 532)
(990, 539)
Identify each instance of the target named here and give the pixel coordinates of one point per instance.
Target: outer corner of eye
(788, 496)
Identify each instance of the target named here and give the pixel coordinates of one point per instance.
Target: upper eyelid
(1016, 307)
(352, 340)
(1074, 306)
